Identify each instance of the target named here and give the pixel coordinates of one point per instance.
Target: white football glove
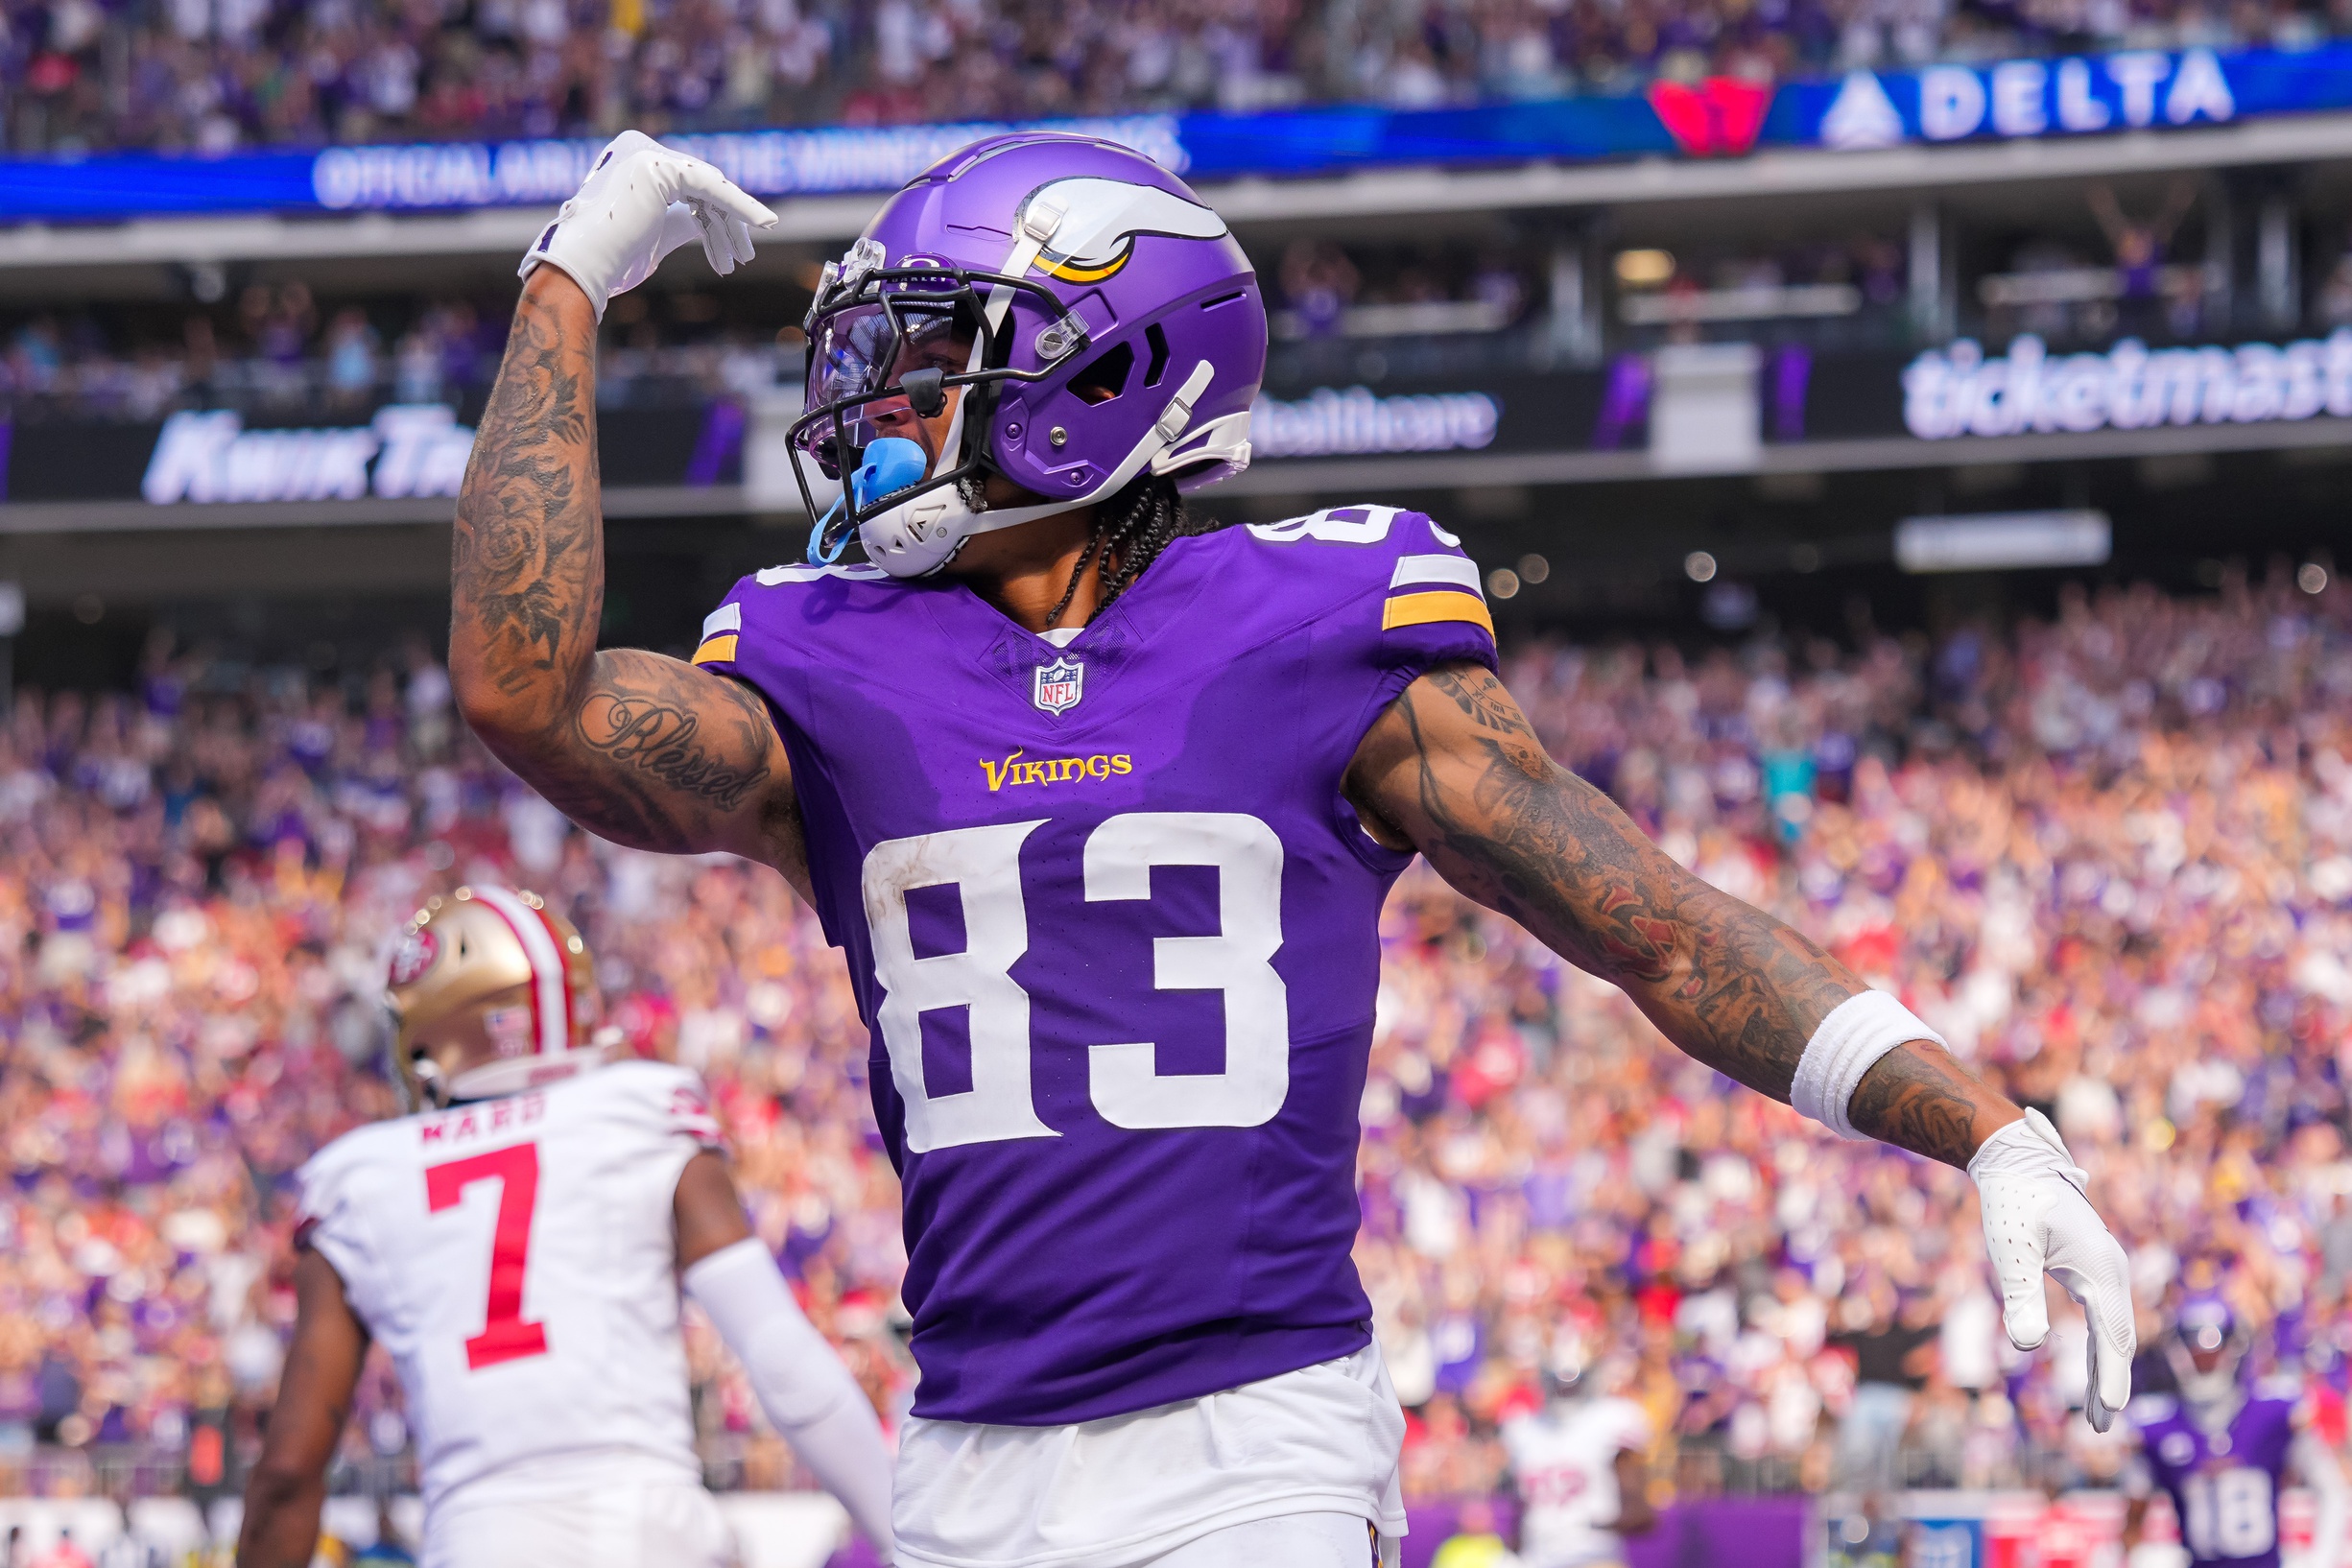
(2036, 1218)
(641, 202)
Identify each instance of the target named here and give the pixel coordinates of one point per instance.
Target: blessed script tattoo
(663, 741)
(1454, 769)
(646, 750)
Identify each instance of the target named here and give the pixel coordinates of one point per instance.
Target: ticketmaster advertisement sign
(1959, 391)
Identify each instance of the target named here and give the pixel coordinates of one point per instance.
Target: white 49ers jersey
(516, 1258)
(1565, 1460)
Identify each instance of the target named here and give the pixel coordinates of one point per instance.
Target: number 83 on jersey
(1125, 1080)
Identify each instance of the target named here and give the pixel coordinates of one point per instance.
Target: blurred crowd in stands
(2109, 856)
(279, 353)
(1364, 310)
(213, 75)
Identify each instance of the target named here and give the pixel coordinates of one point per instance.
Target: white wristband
(1857, 1030)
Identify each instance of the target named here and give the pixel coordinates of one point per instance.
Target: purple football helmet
(2207, 1349)
(1089, 319)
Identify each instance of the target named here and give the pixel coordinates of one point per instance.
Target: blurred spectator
(1476, 1542)
(1894, 1350)
(352, 369)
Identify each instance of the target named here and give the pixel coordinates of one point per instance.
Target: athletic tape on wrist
(1858, 1031)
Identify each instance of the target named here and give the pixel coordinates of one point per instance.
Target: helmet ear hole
(1106, 377)
(1156, 339)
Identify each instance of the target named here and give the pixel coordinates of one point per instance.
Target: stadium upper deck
(1751, 289)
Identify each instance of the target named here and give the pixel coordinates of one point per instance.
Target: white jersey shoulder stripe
(727, 617)
(1456, 571)
(773, 576)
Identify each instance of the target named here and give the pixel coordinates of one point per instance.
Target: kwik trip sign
(408, 449)
(1959, 391)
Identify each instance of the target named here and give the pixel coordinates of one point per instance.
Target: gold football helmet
(491, 991)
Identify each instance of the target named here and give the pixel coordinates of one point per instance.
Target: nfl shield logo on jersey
(1059, 685)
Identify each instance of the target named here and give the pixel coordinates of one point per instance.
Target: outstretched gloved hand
(2037, 1219)
(641, 202)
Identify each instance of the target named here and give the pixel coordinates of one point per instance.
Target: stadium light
(2003, 540)
(1644, 268)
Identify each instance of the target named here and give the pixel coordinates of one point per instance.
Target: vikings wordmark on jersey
(1120, 974)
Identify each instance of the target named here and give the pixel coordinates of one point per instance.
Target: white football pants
(1302, 1540)
(663, 1525)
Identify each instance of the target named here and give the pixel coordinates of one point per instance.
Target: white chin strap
(921, 535)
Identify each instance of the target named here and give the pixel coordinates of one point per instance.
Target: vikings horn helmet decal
(1101, 218)
(1055, 309)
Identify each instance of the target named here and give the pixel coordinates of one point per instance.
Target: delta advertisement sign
(2141, 90)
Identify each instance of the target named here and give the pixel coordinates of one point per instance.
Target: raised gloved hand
(2036, 1218)
(641, 202)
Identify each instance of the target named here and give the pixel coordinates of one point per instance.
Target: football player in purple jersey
(1101, 804)
(2221, 1447)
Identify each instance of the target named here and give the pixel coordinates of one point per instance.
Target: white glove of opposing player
(2036, 1218)
(641, 202)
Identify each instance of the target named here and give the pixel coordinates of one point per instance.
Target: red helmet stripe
(550, 997)
(563, 974)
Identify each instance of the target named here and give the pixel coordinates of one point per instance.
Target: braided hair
(1129, 533)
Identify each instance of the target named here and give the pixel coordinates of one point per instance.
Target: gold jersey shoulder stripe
(716, 650)
(1422, 608)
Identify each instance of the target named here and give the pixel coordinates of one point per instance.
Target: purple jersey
(1115, 932)
(2225, 1485)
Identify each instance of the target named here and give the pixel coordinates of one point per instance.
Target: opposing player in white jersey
(518, 1250)
(1583, 1483)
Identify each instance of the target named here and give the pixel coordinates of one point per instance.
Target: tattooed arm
(1453, 769)
(646, 750)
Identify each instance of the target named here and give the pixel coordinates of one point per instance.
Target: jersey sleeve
(1628, 1426)
(331, 1220)
(1434, 608)
(722, 633)
(658, 1112)
(1389, 582)
(769, 618)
